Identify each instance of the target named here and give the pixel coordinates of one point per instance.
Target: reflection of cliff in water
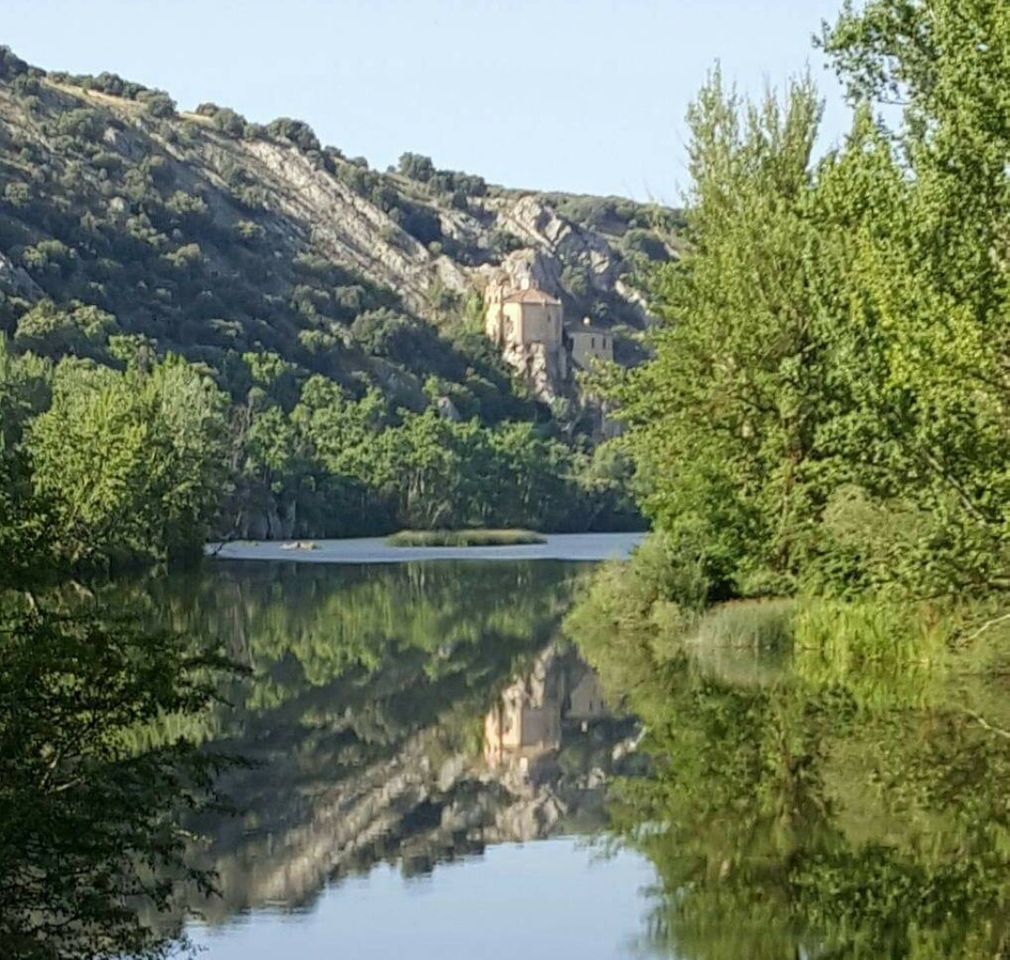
(437, 796)
(365, 720)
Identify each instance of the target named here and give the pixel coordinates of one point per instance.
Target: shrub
(416, 167)
(11, 65)
(17, 195)
(647, 244)
(109, 162)
(248, 231)
(52, 332)
(752, 624)
(869, 643)
(465, 184)
(464, 538)
(25, 85)
(296, 131)
(422, 223)
(186, 208)
(229, 122)
(82, 123)
(504, 242)
(47, 253)
(113, 84)
(158, 103)
(380, 332)
(186, 256)
(575, 279)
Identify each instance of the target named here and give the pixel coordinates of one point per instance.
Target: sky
(586, 96)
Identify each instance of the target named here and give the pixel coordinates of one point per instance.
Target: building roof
(532, 295)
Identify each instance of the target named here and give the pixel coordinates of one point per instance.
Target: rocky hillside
(213, 237)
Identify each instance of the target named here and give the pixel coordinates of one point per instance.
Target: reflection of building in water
(422, 796)
(526, 722)
(517, 728)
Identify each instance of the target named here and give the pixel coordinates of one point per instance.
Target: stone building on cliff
(528, 326)
(589, 344)
(525, 317)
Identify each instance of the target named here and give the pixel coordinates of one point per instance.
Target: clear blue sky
(580, 95)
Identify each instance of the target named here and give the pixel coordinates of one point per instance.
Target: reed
(464, 538)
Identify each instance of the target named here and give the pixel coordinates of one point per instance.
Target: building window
(592, 343)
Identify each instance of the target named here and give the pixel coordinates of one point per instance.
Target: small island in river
(464, 538)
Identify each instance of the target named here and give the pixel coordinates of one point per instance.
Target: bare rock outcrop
(16, 281)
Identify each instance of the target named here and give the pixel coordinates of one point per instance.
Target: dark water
(438, 774)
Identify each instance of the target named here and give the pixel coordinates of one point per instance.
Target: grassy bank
(646, 615)
(464, 538)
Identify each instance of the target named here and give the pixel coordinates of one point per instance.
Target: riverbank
(650, 613)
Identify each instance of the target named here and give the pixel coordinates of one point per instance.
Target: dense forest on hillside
(216, 328)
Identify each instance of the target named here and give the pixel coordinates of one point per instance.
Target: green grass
(752, 624)
(463, 538)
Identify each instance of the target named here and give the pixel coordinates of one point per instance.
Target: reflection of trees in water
(430, 631)
(809, 812)
(89, 806)
(365, 714)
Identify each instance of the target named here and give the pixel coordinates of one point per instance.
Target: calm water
(437, 774)
(431, 763)
(537, 900)
(558, 546)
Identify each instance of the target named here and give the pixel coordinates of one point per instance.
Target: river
(431, 760)
(436, 771)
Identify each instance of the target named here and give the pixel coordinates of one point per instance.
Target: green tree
(723, 418)
(131, 463)
(50, 331)
(90, 821)
(828, 404)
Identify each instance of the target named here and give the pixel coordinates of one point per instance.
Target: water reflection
(408, 715)
(808, 809)
(836, 799)
(552, 743)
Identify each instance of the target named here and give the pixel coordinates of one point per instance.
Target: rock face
(278, 199)
(544, 370)
(556, 251)
(345, 227)
(560, 244)
(352, 230)
(15, 281)
(447, 410)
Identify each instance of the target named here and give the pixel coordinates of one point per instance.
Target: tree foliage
(90, 825)
(827, 406)
(131, 463)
